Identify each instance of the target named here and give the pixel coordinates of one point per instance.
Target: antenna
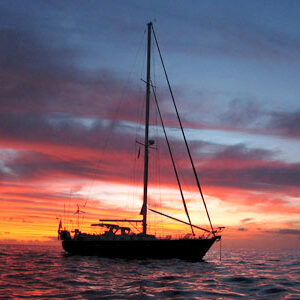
(78, 211)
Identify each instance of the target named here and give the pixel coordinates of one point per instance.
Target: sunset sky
(72, 108)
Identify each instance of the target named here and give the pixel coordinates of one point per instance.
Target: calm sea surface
(47, 272)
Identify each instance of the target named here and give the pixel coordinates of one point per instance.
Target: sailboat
(120, 241)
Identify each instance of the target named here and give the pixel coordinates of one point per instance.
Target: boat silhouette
(120, 241)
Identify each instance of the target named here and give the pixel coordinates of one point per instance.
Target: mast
(146, 142)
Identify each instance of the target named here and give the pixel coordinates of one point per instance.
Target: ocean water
(42, 272)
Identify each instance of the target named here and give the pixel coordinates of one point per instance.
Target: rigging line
(154, 67)
(158, 168)
(115, 114)
(173, 162)
(137, 165)
(181, 127)
(178, 220)
(136, 153)
(135, 227)
(113, 123)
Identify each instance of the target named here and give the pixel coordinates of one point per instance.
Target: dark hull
(159, 248)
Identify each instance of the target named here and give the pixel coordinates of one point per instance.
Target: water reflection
(43, 272)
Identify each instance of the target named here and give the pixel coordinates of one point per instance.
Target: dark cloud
(245, 114)
(230, 35)
(241, 167)
(44, 93)
(224, 34)
(230, 166)
(24, 51)
(246, 220)
(56, 130)
(241, 113)
(41, 81)
(285, 231)
(34, 165)
(242, 229)
(44, 77)
(263, 177)
(19, 196)
(37, 75)
(286, 124)
(252, 41)
(240, 152)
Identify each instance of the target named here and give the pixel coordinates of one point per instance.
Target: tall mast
(146, 142)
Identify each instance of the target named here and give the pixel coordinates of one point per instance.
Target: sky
(72, 111)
